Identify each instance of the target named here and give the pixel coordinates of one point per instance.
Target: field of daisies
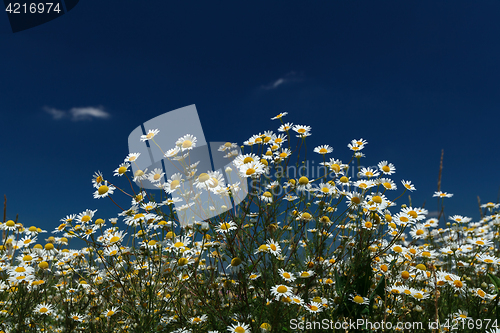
(267, 247)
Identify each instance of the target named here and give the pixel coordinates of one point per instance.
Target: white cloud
(432, 214)
(88, 113)
(56, 114)
(290, 77)
(78, 114)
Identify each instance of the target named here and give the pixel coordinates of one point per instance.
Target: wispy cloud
(78, 114)
(433, 214)
(290, 77)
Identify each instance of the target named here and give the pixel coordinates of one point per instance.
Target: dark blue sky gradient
(412, 78)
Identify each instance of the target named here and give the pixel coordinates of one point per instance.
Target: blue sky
(411, 78)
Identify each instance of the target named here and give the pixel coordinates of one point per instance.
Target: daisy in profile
(359, 299)
(408, 185)
(132, 157)
(104, 190)
(98, 179)
(285, 127)
(280, 116)
(313, 307)
(150, 135)
(44, 309)
(442, 194)
(199, 320)
(302, 130)
(172, 152)
(173, 183)
(254, 276)
(306, 274)
(122, 169)
(110, 312)
(236, 265)
(324, 149)
(227, 146)
(187, 142)
(140, 175)
(239, 328)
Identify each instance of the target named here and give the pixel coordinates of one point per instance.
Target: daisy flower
(132, 157)
(172, 152)
(281, 290)
(306, 274)
(85, 216)
(198, 320)
(150, 135)
(288, 277)
(186, 142)
(77, 317)
(104, 190)
(368, 173)
(386, 168)
(364, 184)
(273, 247)
(279, 116)
(359, 299)
(173, 183)
(155, 175)
(140, 175)
(278, 139)
(110, 312)
(252, 169)
(239, 328)
(44, 309)
(244, 159)
(254, 276)
(442, 194)
(228, 146)
(285, 127)
(314, 307)
(324, 149)
(236, 265)
(98, 179)
(122, 169)
(267, 196)
(387, 183)
(302, 130)
(408, 185)
(225, 227)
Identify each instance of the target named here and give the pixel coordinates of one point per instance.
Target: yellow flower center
(236, 262)
(103, 189)
(174, 184)
(282, 289)
(187, 144)
(386, 168)
(248, 159)
(303, 181)
(250, 171)
(122, 170)
(377, 199)
(358, 299)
